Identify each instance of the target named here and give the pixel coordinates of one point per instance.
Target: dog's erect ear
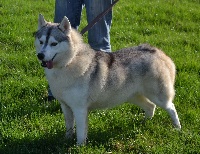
(65, 25)
(41, 22)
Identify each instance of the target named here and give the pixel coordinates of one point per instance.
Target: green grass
(30, 125)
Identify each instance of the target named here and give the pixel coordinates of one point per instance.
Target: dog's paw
(177, 127)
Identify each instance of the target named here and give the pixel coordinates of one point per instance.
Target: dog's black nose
(40, 56)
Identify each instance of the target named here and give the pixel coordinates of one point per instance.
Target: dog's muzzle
(48, 64)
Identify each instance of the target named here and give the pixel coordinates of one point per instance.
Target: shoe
(50, 95)
(50, 98)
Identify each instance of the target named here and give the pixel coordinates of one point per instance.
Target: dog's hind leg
(69, 120)
(145, 104)
(164, 102)
(170, 108)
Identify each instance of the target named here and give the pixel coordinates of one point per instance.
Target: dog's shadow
(57, 143)
(45, 144)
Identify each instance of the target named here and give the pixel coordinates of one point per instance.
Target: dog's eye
(41, 42)
(54, 44)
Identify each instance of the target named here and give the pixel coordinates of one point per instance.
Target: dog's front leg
(81, 117)
(69, 120)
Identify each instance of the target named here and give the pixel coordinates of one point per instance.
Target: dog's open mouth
(48, 64)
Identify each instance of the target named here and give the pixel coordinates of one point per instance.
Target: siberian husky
(82, 79)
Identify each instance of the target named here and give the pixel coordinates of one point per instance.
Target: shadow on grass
(58, 144)
(50, 144)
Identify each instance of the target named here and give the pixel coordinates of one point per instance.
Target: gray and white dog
(82, 79)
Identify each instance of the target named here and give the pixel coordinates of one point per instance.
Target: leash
(90, 25)
(98, 18)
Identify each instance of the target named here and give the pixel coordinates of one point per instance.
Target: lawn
(31, 125)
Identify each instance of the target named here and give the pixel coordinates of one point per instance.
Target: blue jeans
(99, 34)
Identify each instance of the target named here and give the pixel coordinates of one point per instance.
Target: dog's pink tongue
(49, 64)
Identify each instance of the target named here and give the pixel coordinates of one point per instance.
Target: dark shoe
(50, 95)
(50, 98)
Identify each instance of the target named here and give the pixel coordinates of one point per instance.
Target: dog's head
(52, 41)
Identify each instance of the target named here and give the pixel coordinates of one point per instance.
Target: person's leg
(99, 34)
(71, 9)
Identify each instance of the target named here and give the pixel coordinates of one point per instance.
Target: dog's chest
(66, 88)
(57, 81)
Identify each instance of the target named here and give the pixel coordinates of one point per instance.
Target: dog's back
(117, 77)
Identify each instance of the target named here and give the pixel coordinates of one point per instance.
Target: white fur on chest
(66, 89)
